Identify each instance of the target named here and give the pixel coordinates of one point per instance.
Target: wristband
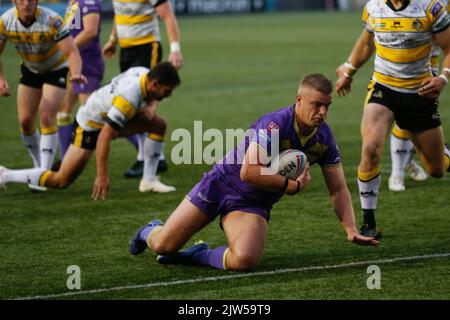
(286, 183)
(350, 66)
(443, 77)
(175, 46)
(347, 75)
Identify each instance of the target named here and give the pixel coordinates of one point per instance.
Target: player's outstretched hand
(109, 49)
(78, 78)
(4, 88)
(101, 188)
(176, 59)
(361, 240)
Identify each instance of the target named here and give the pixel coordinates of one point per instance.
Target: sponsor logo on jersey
(272, 126)
(437, 7)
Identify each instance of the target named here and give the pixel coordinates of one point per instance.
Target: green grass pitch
(237, 68)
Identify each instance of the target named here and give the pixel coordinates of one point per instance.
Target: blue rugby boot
(138, 243)
(182, 256)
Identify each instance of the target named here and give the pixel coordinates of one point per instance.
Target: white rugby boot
(396, 183)
(415, 171)
(155, 186)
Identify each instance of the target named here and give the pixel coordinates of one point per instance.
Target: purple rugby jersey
(320, 147)
(91, 54)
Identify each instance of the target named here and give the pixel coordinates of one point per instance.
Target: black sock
(369, 218)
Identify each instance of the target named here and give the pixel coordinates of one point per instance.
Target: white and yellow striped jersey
(136, 21)
(403, 40)
(116, 102)
(36, 44)
(436, 52)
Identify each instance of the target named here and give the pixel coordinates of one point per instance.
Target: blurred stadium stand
(197, 7)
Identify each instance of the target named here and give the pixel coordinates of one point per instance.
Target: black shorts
(412, 112)
(84, 139)
(57, 78)
(146, 55)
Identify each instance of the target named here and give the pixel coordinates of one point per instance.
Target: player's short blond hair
(318, 82)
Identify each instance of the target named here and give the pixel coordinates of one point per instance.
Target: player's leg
(246, 233)
(186, 220)
(27, 108)
(64, 120)
(400, 145)
(51, 101)
(432, 151)
(376, 123)
(402, 154)
(247, 236)
(152, 149)
(71, 167)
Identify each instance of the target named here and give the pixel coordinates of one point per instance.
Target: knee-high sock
(161, 156)
(35, 176)
(400, 154)
(64, 122)
(211, 257)
(141, 137)
(134, 139)
(49, 144)
(369, 186)
(32, 142)
(152, 150)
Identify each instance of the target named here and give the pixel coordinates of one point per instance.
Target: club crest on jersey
(417, 24)
(272, 126)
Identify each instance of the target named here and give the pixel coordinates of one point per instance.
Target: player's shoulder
(278, 119)
(9, 15)
(136, 71)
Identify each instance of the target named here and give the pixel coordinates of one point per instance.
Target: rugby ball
(291, 163)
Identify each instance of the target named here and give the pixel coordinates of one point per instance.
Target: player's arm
(101, 184)
(109, 49)
(342, 203)
(91, 22)
(258, 175)
(4, 87)
(69, 49)
(362, 51)
(432, 87)
(166, 13)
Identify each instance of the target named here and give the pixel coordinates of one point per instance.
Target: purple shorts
(94, 82)
(215, 197)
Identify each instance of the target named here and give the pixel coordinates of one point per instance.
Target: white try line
(236, 276)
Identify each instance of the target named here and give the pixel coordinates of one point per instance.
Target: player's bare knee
(158, 125)
(244, 261)
(436, 172)
(163, 247)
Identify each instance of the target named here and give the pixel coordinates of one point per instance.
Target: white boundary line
(236, 276)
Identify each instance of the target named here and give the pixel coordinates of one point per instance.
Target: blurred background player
(129, 103)
(83, 17)
(242, 194)
(136, 29)
(402, 89)
(402, 148)
(47, 50)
